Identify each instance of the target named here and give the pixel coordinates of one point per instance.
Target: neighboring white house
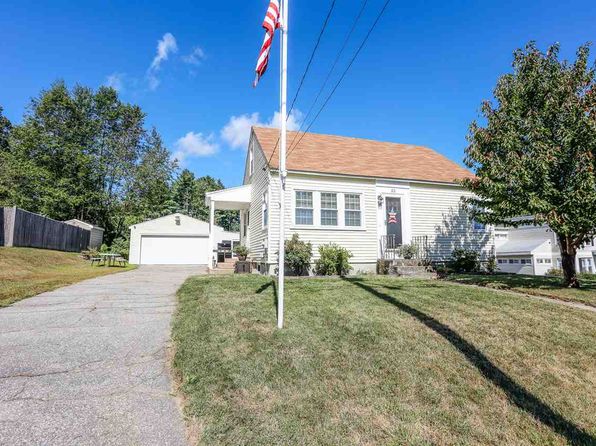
(530, 249)
(175, 239)
(363, 195)
(96, 238)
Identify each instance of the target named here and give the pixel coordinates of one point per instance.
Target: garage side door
(171, 250)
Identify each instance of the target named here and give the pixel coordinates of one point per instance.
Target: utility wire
(343, 74)
(312, 56)
(343, 47)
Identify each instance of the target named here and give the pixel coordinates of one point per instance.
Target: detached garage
(175, 239)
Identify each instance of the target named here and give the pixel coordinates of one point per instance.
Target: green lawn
(25, 272)
(535, 285)
(382, 360)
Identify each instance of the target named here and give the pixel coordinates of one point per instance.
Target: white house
(364, 195)
(96, 238)
(530, 249)
(175, 239)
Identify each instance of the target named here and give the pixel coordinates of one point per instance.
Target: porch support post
(211, 234)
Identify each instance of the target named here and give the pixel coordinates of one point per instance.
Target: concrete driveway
(86, 364)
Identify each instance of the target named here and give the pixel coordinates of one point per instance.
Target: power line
(312, 55)
(343, 47)
(343, 74)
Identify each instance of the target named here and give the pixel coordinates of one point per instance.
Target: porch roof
(234, 198)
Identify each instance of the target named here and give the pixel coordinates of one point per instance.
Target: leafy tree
(186, 193)
(150, 193)
(86, 154)
(536, 154)
(229, 220)
(5, 128)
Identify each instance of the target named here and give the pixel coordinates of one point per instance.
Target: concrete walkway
(86, 364)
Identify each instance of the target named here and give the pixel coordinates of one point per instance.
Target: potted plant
(242, 252)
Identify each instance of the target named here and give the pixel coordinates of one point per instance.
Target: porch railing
(392, 249)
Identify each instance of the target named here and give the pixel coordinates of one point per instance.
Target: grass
(536, 285)
(25, 272)
(381, 360)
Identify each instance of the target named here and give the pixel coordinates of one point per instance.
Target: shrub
(409, 251)
(491, 265)
(555, 272)
(242, 252)
(104, 248)
(298, 255)
(120, 246)
(333, 260)
(464, 260)
(383, 266)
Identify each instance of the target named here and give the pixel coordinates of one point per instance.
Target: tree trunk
(568, 252)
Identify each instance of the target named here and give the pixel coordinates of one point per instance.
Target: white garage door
(172, 250)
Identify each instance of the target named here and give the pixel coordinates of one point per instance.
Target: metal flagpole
(282, 162)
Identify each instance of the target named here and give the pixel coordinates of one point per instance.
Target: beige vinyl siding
(361, 242)
(436, 213)
(260, 182)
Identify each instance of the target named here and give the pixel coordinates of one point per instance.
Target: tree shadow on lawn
(265, 286)
(521, 281)
(514, 391)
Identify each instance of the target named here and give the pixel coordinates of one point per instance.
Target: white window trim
(265, 207)
(316, 197)
(314, 206)
(251, 159)
(321, 209)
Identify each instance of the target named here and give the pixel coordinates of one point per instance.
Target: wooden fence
(26, 229)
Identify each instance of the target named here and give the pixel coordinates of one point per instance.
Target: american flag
(271, 23)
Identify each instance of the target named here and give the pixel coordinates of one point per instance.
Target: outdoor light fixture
(380, 200)
(177, 218)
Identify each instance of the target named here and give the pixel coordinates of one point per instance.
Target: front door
(393, 222)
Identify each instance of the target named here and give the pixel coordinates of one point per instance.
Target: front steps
(226, 267)
(412, 268)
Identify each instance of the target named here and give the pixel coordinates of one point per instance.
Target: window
(526, 261)
(328, 209)
(265, 207)
(500, 235)
(502, 261)
(245, 225)
(540, 260)
(513, 260)
(547, 261)
(251, 160)
(304, 209)
(352, 210)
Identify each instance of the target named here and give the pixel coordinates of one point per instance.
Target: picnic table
(109, 257)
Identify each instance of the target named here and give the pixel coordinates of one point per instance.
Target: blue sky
(419, 80)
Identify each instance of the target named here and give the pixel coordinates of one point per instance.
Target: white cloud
(116, 81)
(195, 57)
(237, 131)
(194, 144)
(166, 46)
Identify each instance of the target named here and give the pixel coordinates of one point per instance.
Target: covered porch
(232, 199)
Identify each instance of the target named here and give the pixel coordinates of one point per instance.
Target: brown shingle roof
(362, 157)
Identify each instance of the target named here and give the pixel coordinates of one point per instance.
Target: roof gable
(360, 157)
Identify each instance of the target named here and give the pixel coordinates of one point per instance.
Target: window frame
(317, 209)
(265, 209)
(359, 210)
(311, 208)
(328, 209)
(251, 159)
